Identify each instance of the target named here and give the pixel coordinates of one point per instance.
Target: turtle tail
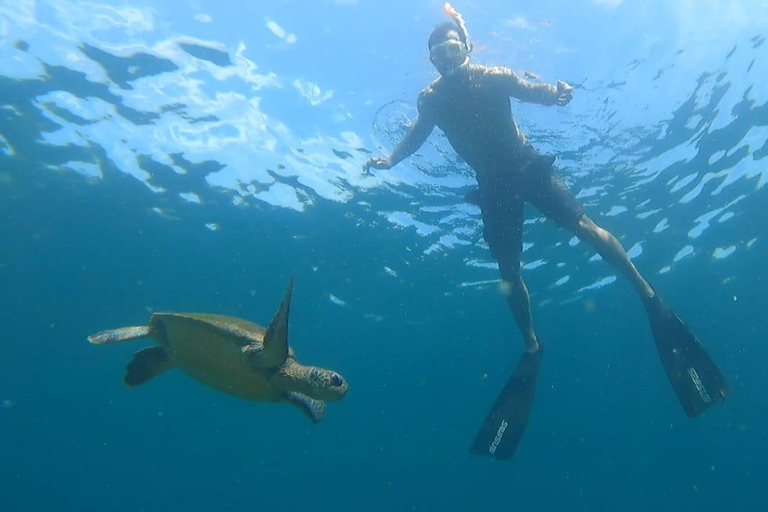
(119, 335)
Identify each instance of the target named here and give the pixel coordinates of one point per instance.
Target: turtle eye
(336, 380)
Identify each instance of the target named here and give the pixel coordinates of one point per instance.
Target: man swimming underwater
(470, 103)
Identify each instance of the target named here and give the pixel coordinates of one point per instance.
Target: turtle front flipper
(146, 364)
(275, 350)
(119, 335)
(314, 409)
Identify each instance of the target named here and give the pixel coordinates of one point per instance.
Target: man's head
(448, 48)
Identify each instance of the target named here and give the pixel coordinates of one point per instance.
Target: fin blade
(505, 423)
(146, 364)
(313, 409)
(694, 375)
(276, 338)
(120, 335)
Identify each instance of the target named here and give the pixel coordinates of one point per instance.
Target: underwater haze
(195, 155)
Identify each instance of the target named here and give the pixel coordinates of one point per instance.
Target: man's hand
(377, 162)
(564, 93)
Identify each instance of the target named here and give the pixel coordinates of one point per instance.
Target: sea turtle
(232, 355)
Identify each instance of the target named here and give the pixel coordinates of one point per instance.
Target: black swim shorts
(502, 200)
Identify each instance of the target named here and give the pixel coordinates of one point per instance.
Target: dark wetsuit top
(472, 108)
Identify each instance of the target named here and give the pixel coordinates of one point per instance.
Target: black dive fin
(146, 363)
(314, 409)
(505, 423)
(694, 376)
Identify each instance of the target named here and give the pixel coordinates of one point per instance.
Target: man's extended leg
(553, 198)
(694, 376)
(505, 423)
(519, 301)
(503, 230)
(609, 248)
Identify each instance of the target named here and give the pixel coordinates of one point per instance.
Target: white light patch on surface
(5, 147)
(534, 264)
(683, 182)
(282, 195)
(722, 253)
(702, 223)
(280, 31)
(693, 194)
(90, 109)
(479, 283)
(726, 216)
(482, 264)
(717, 155)
(661, 226)
(682, 253)
(635, 251)
(746, 167)
(651, 169)
(336, 300)
(693, 121)
(20, 65)
(452, 241)
(562, 280)
(406, 220)
(645, 215)
(589, 192)
(598, 284)
(312, 92)
(190, 197)
(615, 210)
(85, 168)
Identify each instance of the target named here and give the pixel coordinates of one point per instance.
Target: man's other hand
(564, 93)
(377, 162)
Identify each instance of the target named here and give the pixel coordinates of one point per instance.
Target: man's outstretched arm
(412, 141)
(543, 94)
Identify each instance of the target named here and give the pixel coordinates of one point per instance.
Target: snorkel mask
(451, 54)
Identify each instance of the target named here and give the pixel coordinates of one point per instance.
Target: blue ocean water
(194, 155)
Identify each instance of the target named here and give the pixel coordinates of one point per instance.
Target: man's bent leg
(610, 249)
(519, 302)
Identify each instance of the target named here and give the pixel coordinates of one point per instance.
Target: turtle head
(325, 384)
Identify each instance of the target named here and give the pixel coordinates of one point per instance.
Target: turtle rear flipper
(146, 363)
(314, 409)
(119, 335)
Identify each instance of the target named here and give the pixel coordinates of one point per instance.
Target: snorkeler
(470, 103)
